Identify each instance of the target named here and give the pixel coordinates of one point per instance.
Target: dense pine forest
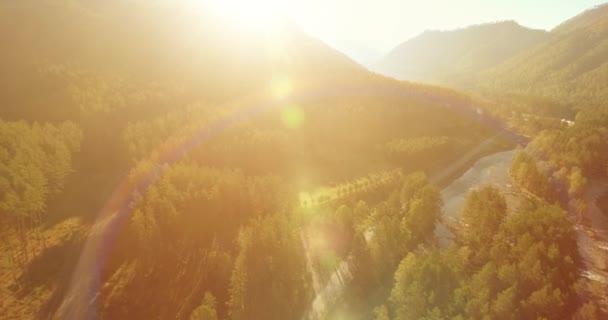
(157, 162)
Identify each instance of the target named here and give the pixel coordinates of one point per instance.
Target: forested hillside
(571, 68)
(556, 71)
(444, 56)
(173, 150)
(564, 74)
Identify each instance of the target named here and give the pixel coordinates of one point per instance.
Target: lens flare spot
(329, 261)
(281, 88)
(292, 117)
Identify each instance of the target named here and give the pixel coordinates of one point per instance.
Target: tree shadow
(54, 267)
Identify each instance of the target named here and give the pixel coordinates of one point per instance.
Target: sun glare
(250, 14)
(280, 87)
(292, 117)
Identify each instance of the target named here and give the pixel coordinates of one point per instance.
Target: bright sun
(250, 14)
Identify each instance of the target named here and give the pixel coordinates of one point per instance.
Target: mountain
(138, 41)
(436, 56)
(570, 67)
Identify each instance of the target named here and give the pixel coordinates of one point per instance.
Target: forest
(152, 173)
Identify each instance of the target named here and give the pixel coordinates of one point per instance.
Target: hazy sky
(365, 29)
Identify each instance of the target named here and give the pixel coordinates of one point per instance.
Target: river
(493, 170)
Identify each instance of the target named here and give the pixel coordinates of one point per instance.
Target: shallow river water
(490, 170)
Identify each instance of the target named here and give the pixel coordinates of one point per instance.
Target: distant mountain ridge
(570, 67)
(435, 56)
(567, 65)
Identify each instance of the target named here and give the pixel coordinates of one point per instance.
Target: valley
(205, 160)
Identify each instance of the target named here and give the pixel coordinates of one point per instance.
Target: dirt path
(592, 239)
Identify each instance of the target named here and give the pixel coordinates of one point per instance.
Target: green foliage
(517, 266)
(34, 162)
(197, 204)
(418, 225)
(381, 313)
(192, 214)
(407, 219)
(206, 311)
(422, 152)
(577, 182)
(269, 279)
(263, 144)
(528, 176)
(483, 214)
(568, 67)
(562, 160)
(423, 286)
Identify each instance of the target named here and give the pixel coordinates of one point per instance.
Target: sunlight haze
(303, 159)
(367, 29)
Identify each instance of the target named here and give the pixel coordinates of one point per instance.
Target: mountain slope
(582, 20)
(136, 41)
(435, 56)
(571, 67)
